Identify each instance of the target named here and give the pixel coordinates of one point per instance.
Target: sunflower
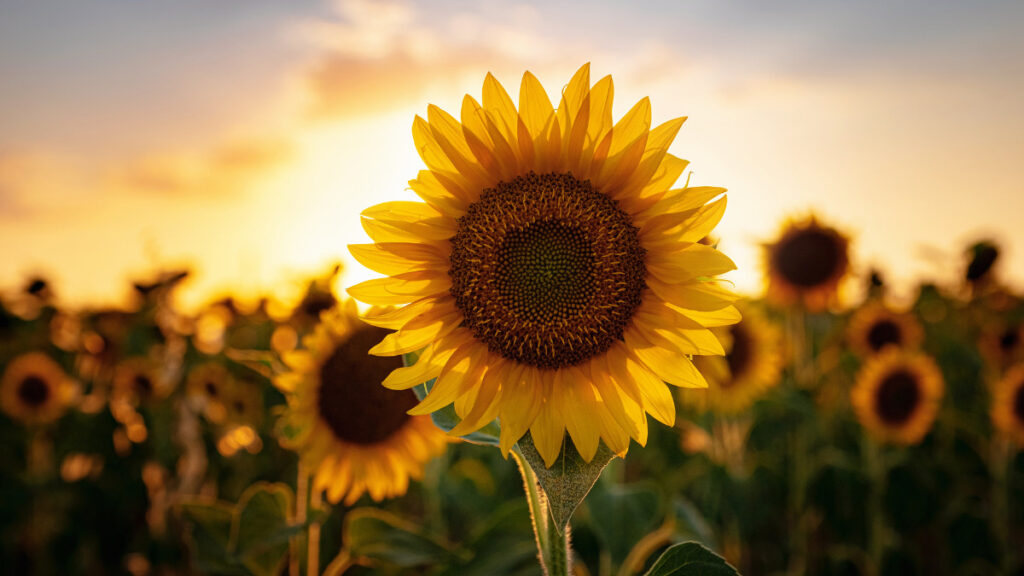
(1008, 404)
(34, 389)
(752, 365)
(875, 326)
(354, 432)
(206, 389)
(1002, 343)
(807, 264)
(552, 276)
(897, 395)
(139, 380)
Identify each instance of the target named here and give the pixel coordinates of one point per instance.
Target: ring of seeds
(351, 400)
(897, 397)
(808, 258)
(546, 270)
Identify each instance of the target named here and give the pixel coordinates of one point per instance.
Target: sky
(242, 139)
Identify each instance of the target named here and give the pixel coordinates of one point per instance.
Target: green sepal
(568, 480)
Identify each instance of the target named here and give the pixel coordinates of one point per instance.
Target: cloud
(223, 170)
(381, 55)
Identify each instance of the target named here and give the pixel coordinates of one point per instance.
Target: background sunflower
(806, 264)
(34, 389)
(351, 431)
(897, 395)
(875, 326)
(1008, 404)
(752, 365)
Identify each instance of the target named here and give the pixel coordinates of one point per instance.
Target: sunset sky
(242, 139)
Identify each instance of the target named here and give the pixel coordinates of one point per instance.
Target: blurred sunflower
(752, 365)
(139, 380)
(206, 388)
(354, 432)
(552, 277)
(807, 264)
(34, 389)
(875, 326)
(897, 395)
(1008, 404)
(244, 402)
(1002, 343)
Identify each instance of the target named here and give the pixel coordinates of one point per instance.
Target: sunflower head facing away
(1008, 405)
(352, 431)
(34, 389)
(875, 326)
(807, 264)
(752, 365)
(897, 395)
(552, 276)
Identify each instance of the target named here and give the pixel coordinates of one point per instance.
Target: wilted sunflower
(34, 389)
(806, 264)
(875, 326)
(897, 395)
(752, 365)
(552, 276)
(354, 432)
(1008, 404)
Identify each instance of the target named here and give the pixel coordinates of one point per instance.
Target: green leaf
(568, 480)
(690, 523)
(260, 531)
(210, 533)
(375, 534)
(691, 559)
(621, 515)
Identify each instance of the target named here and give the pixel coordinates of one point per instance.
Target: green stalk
(552, 545)
(877, 476)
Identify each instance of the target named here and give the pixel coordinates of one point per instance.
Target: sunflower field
(548, 376)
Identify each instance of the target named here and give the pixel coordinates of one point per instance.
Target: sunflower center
(741, 354)
(351, 399)
(807, 258)
(143, 385)
(884, 333)
(1008, 339)
(33, 391)
(1018, 403)
(546, 270)
(897, 397)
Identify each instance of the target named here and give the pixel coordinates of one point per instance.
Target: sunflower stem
(301, 497)
(877, 478)
(1000, 463)
(552, 545)
(313, 551)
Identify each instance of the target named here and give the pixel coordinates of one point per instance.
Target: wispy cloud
(225, 169)
(380, 55)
